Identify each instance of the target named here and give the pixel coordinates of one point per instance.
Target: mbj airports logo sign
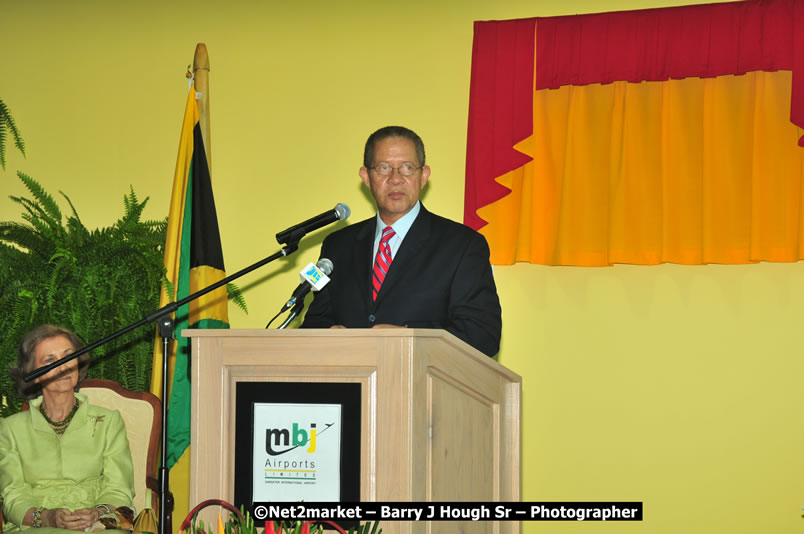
(296, 452)
(281, 440)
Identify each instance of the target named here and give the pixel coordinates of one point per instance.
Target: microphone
(313, 277)
(340, 212)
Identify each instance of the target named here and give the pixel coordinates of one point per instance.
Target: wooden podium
(440, 421)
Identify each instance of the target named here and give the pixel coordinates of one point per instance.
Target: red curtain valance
(658, 44)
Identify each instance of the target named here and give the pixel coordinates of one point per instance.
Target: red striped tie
(383, 261)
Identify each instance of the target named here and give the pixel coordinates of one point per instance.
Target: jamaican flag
(193, 260)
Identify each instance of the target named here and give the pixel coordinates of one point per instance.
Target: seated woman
(63, 463)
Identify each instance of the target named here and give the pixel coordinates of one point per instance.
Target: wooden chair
(142, 414)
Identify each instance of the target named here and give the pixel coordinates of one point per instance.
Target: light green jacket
(90, 464)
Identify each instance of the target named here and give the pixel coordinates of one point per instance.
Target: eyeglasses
(406, 169)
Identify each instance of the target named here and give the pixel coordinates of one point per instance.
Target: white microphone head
(325, 265)
(315, 275)
(343, 211)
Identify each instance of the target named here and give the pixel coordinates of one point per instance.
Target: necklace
(60, 426)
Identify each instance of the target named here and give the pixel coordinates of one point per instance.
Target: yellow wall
(677, 386)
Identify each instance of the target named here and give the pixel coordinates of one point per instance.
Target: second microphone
(314, 277)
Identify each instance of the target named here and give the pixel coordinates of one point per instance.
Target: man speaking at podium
(407, 267)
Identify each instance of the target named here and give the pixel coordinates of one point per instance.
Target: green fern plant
(95, 282)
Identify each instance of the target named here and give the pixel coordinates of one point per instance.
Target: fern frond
(43, 224)
(70, 202)
(133, 210)
(236, 296)
(30, 206)
(7, 121)
(15, 133)
(23, 237)
(153, 223)
(42, 197)
(169, 288)
(130, 200)
(39, 224)
(77, 233)
(53, 289)
(2, 143)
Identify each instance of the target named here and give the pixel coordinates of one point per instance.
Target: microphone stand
(165, 323)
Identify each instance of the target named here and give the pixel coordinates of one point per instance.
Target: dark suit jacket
(439, 278)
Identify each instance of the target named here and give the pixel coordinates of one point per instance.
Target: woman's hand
(55, 517)
(63, 518)
(86, 517)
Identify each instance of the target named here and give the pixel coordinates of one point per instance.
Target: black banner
(448, 511)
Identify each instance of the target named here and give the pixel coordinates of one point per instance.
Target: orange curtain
(685, 171)
(643, 137)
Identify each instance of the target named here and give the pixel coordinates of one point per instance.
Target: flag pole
(201, 80)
